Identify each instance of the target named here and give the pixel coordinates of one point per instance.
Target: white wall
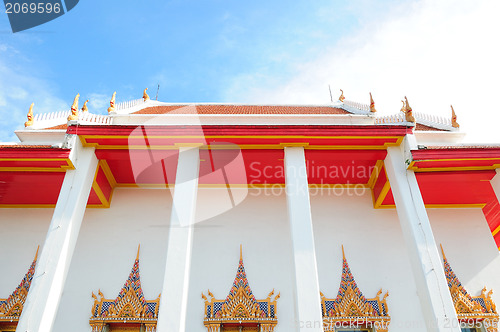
(22, 230)
(106, 250)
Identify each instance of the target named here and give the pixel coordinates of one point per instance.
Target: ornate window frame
(129, 309)
(350, 309)
(12, 307)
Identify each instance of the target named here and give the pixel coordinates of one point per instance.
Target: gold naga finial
(84, 107)
(145, 95)
(30, 121)
(138, 250)
(74, 109)
(454, 122)
(408, 112)
(372, 104)
(111, 107)
(342, 98)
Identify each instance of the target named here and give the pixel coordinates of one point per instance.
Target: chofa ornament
(240, 308)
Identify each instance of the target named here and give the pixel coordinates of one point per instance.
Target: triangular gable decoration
(240, 308)
(351, 308)
(11, 308)
(470, 309)
(130, 307)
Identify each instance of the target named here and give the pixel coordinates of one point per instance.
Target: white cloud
(435, 52)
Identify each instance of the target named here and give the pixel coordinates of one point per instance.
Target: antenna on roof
(331, 98)
(158, 89)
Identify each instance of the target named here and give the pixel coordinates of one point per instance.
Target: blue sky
(221, 51)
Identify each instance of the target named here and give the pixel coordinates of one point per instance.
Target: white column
(307, 298)
(42, 302)
(172, 314)
(435, 299)
(495, 183)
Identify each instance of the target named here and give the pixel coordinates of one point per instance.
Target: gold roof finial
(30, 121)
(145, 95)
(342, 98)
(111, 107)
(454, 122)
(241, 252)
(74, 109)
(84, 107)
(343, 254)
(408, 112)
(372, 104)
(138, 249)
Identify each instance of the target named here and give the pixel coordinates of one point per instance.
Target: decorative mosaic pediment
(11, 308)
(351, 309)
(130, 307)
(471, 309)
(240, 308)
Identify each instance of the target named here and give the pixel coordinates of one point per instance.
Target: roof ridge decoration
(74, 109)
(470, 309)
(112, 102)
(372, 104)
(130, 306)
(352, 308)
(454, 122)
(240, 308)
(11, 308)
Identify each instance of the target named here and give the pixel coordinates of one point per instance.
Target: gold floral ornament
(454, 122)
(30, 121)
(130, 307)
(74, 109)
(473, 310)
(351, 307)
(84, 107)
(240, 309)
(408, 112)
(112, 102)
(342, 98)
(11, 308)
(372, 104)
(145, 95)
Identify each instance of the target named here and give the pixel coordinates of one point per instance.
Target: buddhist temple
(338, 210)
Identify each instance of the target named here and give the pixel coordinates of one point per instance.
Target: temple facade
(223, 217)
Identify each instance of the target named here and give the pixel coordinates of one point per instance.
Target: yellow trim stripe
(61, 168)
(375, 173)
